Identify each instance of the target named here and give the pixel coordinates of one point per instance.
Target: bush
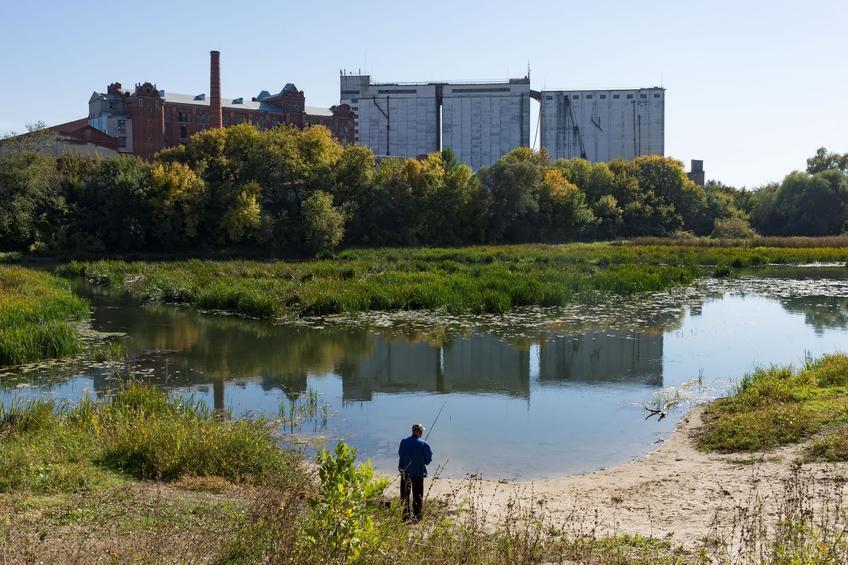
(733, 228)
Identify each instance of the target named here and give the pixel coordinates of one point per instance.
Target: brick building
(147, 119)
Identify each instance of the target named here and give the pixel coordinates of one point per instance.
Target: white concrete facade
(482, 122)
(393, 119)
(611, 123)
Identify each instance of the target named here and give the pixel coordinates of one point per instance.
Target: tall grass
(484, 279)
(778, 405)
(35, 308)
(138, 432)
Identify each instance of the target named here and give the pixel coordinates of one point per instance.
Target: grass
(778, 405)
(138, 432)
(35, 308)
(138, 476)
(486, 279)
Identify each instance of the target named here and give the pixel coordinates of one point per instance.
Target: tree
(609, 216)
(177, 200)
(563, 213)
(30, 203)
(823, 161)
(814, 204)
(109, 204)
(323, 224)
(666, 188)
(512, 185)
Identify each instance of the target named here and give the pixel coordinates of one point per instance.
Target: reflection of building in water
(602, 357)
(475, 364)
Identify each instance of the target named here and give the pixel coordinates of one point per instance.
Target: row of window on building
(604, 96)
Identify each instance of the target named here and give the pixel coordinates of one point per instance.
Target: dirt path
(674, 491)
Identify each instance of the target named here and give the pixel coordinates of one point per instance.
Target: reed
(35, 310)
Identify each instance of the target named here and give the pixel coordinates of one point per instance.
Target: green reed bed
(470, 280)
(138, 432)
(35, 309)
(460, 280)
(778, 405)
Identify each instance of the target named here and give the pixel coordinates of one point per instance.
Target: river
(537, 393)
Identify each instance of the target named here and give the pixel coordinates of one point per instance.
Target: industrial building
(482, 122)
(147, 119)
(479, 121)
(602, 125)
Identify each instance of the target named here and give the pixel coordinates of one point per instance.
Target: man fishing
(414, 455)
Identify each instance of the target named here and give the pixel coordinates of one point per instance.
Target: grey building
(480, 121)
(393, 119)
(602, 125)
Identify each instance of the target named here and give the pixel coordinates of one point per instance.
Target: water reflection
(560, 390)
(603, 357)
(821, 312)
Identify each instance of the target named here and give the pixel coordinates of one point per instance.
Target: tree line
(287, 191)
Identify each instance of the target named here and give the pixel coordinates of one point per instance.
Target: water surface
(538, 393)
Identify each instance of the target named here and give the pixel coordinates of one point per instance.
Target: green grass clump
(831, 448)
(777, 406)
(483, 279)
(35, 308)
(138, 432)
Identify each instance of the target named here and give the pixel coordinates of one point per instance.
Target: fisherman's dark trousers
(415, 486)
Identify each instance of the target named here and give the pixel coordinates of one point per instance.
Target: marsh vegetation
(36, 311)
(460, 280)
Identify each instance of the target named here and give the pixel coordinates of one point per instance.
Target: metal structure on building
(602, 125)
(479, 121)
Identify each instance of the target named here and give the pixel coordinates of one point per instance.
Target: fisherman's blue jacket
(414, 455)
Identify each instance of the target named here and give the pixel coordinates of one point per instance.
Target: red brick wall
(146, 109)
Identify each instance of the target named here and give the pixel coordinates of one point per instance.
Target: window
(576, 97)
(122, 126)
(588, 97)
(643, 96)
(239, 119)
(549, 97)
(616, 96)
(122, 142)
(183, 132)
(181, 117)
(204, 118)
(629, 96)
(293, 108)
(656, 95)
(603, 96)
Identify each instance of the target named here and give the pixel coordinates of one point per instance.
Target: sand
(675, 491)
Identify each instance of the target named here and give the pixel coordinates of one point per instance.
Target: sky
(753, 87)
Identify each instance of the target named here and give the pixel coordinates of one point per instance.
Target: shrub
(733, 228)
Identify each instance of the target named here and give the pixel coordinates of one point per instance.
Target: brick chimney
(215, 117)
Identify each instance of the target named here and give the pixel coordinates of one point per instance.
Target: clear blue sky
(753, 87)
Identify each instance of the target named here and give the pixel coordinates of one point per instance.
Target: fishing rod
(436, 420)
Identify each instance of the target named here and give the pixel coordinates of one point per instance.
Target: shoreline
(675, 491)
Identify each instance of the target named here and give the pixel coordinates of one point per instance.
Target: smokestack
(215, 118)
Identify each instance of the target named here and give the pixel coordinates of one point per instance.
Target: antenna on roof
(528, 69)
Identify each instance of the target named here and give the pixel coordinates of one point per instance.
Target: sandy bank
(674, 491)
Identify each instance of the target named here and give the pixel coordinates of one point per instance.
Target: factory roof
(238, 103)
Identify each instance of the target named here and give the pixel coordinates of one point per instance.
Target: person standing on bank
(413, 457)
